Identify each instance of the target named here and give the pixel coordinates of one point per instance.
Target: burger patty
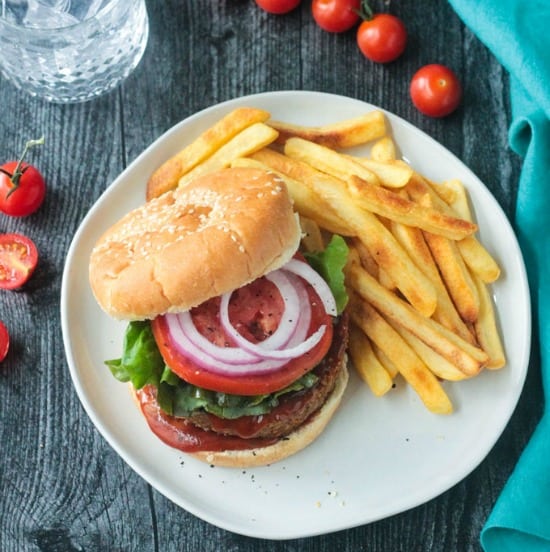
(294, 408)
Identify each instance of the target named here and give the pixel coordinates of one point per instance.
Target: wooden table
(62, 487)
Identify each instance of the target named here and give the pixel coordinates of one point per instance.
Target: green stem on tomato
(367, 12)
(18, 172)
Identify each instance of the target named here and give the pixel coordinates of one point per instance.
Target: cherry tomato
(382, 38)
(278, 6)
(435, 90)
(4, 341)
(22, 187)
(18, 259)
(336, 16)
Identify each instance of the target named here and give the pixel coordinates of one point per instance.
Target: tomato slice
(18, 259)
(255, 309)
(4, 341)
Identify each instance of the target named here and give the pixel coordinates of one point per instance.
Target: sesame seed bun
(218, 233)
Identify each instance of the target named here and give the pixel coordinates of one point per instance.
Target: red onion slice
(231, 355)
(208, 360)
(316, 281)
(287, 342)
(298, 346)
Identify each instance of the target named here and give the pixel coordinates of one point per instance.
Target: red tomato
(278, 6)
(336, 16)
(435, 90)
(18, 259)
(22, 188)
(382, 38)
(255, 320)
(4, 341)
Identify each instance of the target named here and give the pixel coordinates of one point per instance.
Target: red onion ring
(287, 342)
(207, 359)
(313, 278)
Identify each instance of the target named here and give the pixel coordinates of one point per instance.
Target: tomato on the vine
(4, 341)
(381, 37)
(278, 6)
(18, 259)
(435, 90)
(22, 187)
(336, 16)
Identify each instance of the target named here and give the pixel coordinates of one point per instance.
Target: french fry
(384, 149)
(327, 160)
(388, 365)
(393, 206)
(465, 356)
(486, 329)
(365, 258)
(392, 174)
(475, 255)
(412, 240)
(446, 193)
(407, 361)
(456, 276)
(454, 194)
(368, 262)
(166, 177)
(438, 365)
(479, 259)
(312, 238)
(306, 202)
(367, 364)
(249, 140)
(343, 134)
(389, 255)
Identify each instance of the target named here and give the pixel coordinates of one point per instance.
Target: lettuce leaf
(330, 264)
(141, 363)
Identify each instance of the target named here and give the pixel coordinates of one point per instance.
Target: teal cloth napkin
(518, 34)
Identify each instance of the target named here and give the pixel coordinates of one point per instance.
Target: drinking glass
(71, 50)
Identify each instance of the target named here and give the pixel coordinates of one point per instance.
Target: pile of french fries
(417, 275)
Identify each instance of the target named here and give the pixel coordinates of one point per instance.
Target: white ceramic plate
(379, 456)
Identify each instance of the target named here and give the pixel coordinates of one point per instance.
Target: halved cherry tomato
(278, 6)
(435, 90)
(22, 187)
(246, 317)
(382, 37)
(18, 259)
(336, 16)
(4, 341)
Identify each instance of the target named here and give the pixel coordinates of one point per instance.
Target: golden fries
(249, 140)
(383, 149)
(306, 202)
(333, 195)
(416, 275)
(166, 177)
(410, 366)
(388, 204)
(343, 134)
(393, 174)
(466, 357)
(367, 364)
(327, 160)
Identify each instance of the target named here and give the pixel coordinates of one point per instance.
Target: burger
(235, 347)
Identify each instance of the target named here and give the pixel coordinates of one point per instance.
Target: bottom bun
(291, 444)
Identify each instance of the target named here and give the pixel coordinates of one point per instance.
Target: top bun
(218, 233)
